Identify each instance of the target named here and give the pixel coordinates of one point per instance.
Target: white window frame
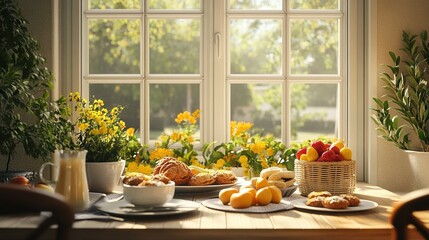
(356, 131)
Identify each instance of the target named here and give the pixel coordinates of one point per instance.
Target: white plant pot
(419, 162)
(103, 177)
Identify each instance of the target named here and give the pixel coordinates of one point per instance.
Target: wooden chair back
(20, 199)
(403, 214)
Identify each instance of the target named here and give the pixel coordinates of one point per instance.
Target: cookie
(319, 194)
(335, 202)
(353, 200)
(315, 202)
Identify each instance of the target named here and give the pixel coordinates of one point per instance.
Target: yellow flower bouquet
(177, 144)
(251, 152)
(101, 132)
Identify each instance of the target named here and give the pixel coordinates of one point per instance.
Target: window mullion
(220, 102)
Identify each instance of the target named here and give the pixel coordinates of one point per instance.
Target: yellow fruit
(241, 200)
(251, 191)
(44, 187)
(303, 157)
(339, 144)
(312, 154)
(264, 196)
(261, 182)
(253, 181)
(225, 194)
(246, 186)
(276, 194)
(346, 153)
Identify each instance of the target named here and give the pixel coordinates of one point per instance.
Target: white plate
(216, 204)
(364, 205)
(206, 188)
(122, 208)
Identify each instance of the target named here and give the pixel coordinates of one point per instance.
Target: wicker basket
(335, 177)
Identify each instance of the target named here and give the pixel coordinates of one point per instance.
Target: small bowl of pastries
(148, 191)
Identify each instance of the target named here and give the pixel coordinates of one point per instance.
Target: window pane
(168, 100)
(125, 95)
(174, 4)
(259, 104)
(256, 4)
(314, 110)
(114, 46)
(256, 46)
(314, 4)
(174, 46)
(114, 4)
(314, 46)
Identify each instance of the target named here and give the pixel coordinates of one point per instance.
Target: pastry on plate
(224, 177)
(335, 202)
(201, 179)
(285, 179)
(353, 200)
(315, 202)
(173, 169)
(319, 194)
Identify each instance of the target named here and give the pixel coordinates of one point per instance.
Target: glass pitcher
(71, 181)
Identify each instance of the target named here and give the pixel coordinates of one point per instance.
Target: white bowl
(149, 195)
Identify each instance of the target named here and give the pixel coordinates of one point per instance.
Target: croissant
(173, 169)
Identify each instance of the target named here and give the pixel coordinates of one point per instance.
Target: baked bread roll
(224, 177)
(267, 172)
(173, 169)
(281, 184)
(287, 177)
(201, 179)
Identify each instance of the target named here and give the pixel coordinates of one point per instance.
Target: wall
(394, 16)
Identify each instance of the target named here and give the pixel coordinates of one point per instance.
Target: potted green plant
(28, 118)
(408, 92)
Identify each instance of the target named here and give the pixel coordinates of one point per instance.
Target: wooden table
(212, 224)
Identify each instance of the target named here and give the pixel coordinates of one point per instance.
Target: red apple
(335, 149)
(319, 146)
(338, 158)
(327, 146)
(300, 152)
(327, 156)
(21, 180)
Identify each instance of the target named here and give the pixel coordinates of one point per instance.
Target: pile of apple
(23, 181)
(325, 152)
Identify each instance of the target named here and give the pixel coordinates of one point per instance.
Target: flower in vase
(101, 131)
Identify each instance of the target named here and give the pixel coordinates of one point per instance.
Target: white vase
(238, 171)
(103, 177)
(419, 162)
